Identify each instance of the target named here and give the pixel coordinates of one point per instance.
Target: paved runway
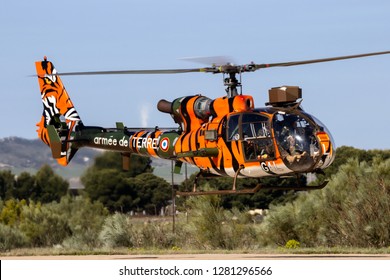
(209, 257)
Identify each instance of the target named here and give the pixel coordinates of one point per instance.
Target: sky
(351, 97)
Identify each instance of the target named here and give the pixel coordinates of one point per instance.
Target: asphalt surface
(209, 257)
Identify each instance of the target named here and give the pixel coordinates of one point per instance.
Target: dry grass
(175, 251)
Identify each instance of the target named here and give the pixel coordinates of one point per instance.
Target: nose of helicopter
(328, 149)
(304, 143)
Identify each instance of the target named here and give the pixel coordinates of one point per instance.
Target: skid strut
(258, 187)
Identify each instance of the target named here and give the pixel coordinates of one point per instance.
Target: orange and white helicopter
(225, 136)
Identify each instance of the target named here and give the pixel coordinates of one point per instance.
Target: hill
(26, 155)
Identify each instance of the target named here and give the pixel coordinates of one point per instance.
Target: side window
(255, 126)
(258, 144)
(233, 132)
(259, 149)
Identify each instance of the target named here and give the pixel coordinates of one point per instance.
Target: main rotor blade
(294, 63)
(210, 60)
(119, 72)
(227, 68)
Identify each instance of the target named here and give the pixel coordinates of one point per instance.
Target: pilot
(250, 150)
(290, 145)
(261, 150)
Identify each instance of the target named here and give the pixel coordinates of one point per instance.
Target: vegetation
(352, 211)
(45, 186)
(134, 190)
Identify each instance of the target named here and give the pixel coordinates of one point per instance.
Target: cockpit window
(254, 125)
(233, 128)
(296, 140)
(254, 132)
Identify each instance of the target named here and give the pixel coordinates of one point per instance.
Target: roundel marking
(164, 144)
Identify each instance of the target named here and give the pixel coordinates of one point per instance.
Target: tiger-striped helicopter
(225, 136)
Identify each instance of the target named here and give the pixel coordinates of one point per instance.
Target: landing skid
(252, 191)
(220, 192)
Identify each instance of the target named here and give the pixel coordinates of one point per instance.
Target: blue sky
(351, 97)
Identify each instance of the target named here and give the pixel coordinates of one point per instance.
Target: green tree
(45, 186)
(154, 192)
(49, 186)
(25, 187)
(7, 184)
(120, 193)
(137, 189)
(110, 187)
(112, 160)
(345, 153)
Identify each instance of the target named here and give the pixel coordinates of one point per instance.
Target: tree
(110, 186)
(25, 187)
(49, 186)
(154, 192)
(123, 191)
(112, 160)
(345, 153)
(7, 184)
(45, 186)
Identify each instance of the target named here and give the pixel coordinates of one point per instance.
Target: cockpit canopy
(292, 136)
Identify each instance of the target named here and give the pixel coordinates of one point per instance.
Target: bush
(211, 226)
(353, 210)
(42, 226)
(11, 210)
(157, 235)
(118, 231)
(11, 238)
(207, 217)
(85, 220)
(292, 244)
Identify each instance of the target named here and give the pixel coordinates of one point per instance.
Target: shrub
(157, 235)
(292, 244)
(353, 210)
(118, 231)
(42, 226)
(85, 220)
(207, 217)
(11, 238)
(10, 212)
(211, 226)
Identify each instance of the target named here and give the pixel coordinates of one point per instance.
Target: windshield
(295, 135)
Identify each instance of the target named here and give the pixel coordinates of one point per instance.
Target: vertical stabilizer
(59, 118)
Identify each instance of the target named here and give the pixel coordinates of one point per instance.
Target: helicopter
(226, 136)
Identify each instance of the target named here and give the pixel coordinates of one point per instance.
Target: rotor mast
(232, 85)
(230, 81)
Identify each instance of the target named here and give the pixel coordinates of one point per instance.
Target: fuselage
(261, 142)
